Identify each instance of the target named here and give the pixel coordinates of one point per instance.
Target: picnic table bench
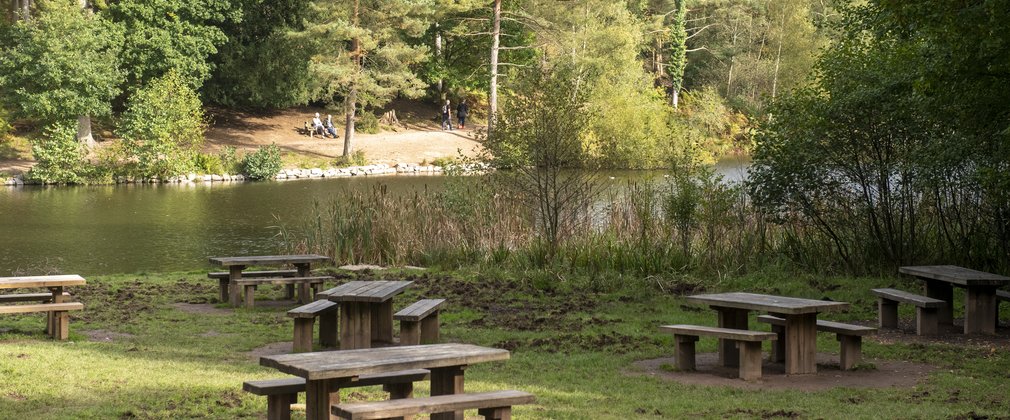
(366, 311)
(980, 297)
(233, 287)
(926, 310)
(495, 405)
(748, 342)
(56, 303)
(419, 322)
(850, 338)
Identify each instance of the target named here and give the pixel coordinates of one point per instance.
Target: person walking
(462, 111)
(447, 116)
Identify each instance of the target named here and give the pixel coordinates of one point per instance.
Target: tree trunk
(675, 100)
(84, 131)
(351, 101)
(438, 58)
(778, 59)
(495, 43)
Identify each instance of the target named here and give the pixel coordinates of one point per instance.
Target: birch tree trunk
(438, 57)
(778, 58)
(84, 132)
(351, 101)
(492, 98)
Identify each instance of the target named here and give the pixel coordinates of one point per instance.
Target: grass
(13, 147)
(570, 347)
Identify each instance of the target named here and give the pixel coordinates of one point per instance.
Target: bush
(357, 158)
(264, 163)
(60, 156)
(367, 123)
(207, 164)
(163, 126)
(229, 160)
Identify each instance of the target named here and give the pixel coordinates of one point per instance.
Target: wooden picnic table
(235, 265)
(366, 311)
(57, 320)
(324, 372)
(801, 324)
(980, 297)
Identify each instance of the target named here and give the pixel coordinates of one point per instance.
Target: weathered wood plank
(418, 310)
(412, 406)
(825, 326)
(727, 333)
(269, 260)
(956, 275)
(768, 303)
(28, 297)
(245, 281)
(366, 291)
(313, 309)
(910, 298)
(42, 307)
(263, 273)
(297, 385)
(41, 281)
(351, 363)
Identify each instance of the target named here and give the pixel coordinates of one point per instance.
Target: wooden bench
(495, 405)
(749, 343)
(850, 338)
(59, 318)
(282, 393)
(249, 285)
(305, 317)
(223, 277)
(419, 322)
(926, 319)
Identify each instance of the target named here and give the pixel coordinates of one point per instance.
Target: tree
(362, 53)
(62, 64)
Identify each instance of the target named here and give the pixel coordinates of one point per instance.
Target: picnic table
(800, 329)
(366, 311)
(980, 297)
(235, 265)
(326, 372)
(56, 302)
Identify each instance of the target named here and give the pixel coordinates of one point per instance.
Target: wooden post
(944, 291)
(250, 295)
(980, 310)
(319, 396)
(801, 344)
(750, 360)
(851, 350)
(734, 318)
(279, 406)
(304, 293)
(328, 328)
(684, 351)
(496, 413)
(429, 329)
(778, 354)
(410, 333)
(400, 391)
(447, 381)
(234, 274)
(382, 321)
(926, 321)
(888, 312)
(355, 325)
(303, 334)
(222, 285)
(289, 291)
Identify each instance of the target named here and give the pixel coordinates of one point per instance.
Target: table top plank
(955, 275)
(366, 291)
(777, 304)
(269, 260)
(352, 363)
(41, 281)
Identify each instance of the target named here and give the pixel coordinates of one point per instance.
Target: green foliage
(60, 159)
(229, 160)
(357, 158)
(367, 123)
(60, 64)
(262, 164)
(163, 126)
(714, 126)
(207, 163)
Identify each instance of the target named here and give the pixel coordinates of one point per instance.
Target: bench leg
(410, 333)
(429, 329)
(734, 318)
(750, 360)
(222, 285)
(851, 350)
(279, 406)
(319, 396)
(496, 413)
(304, 293)
(250, 295)
(382, 322)
(289, 291)
(926, 321)
(684, 351)
(61, 325)
(979, 309)
(779, 346)
(447, 381)
(888, 310)
(399, 392)
(303, 334)
(944, 291)
(234, 291)
(328, 328)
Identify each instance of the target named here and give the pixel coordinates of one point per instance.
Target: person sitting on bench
(329, 126)
(317, 126)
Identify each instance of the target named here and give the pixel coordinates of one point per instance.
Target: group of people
(462, 111)
(327, 130)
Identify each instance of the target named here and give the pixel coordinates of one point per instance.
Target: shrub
(207, 164)
(163, 126)
(367, 123)
(263, 163)
(229, 160)
(60, 156)
(357, 158)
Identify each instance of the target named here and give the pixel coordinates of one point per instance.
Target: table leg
(235, 292)
(980, 310)
(382, 322)
(801, 344)
(944, 291)
(355, 325)
(53, 319)
(303, 288)
(223, 288)
(319, 396)
(735, 318)
(446, 381)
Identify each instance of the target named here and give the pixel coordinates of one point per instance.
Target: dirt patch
(948, 334)
(829, 375)
(106, 335)
(200, 308)
(272, 349)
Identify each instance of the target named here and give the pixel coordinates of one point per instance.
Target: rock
(191, 177)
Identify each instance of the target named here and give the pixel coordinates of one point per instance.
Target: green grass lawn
(570, 347)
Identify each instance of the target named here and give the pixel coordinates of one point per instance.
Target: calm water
(126, 229)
